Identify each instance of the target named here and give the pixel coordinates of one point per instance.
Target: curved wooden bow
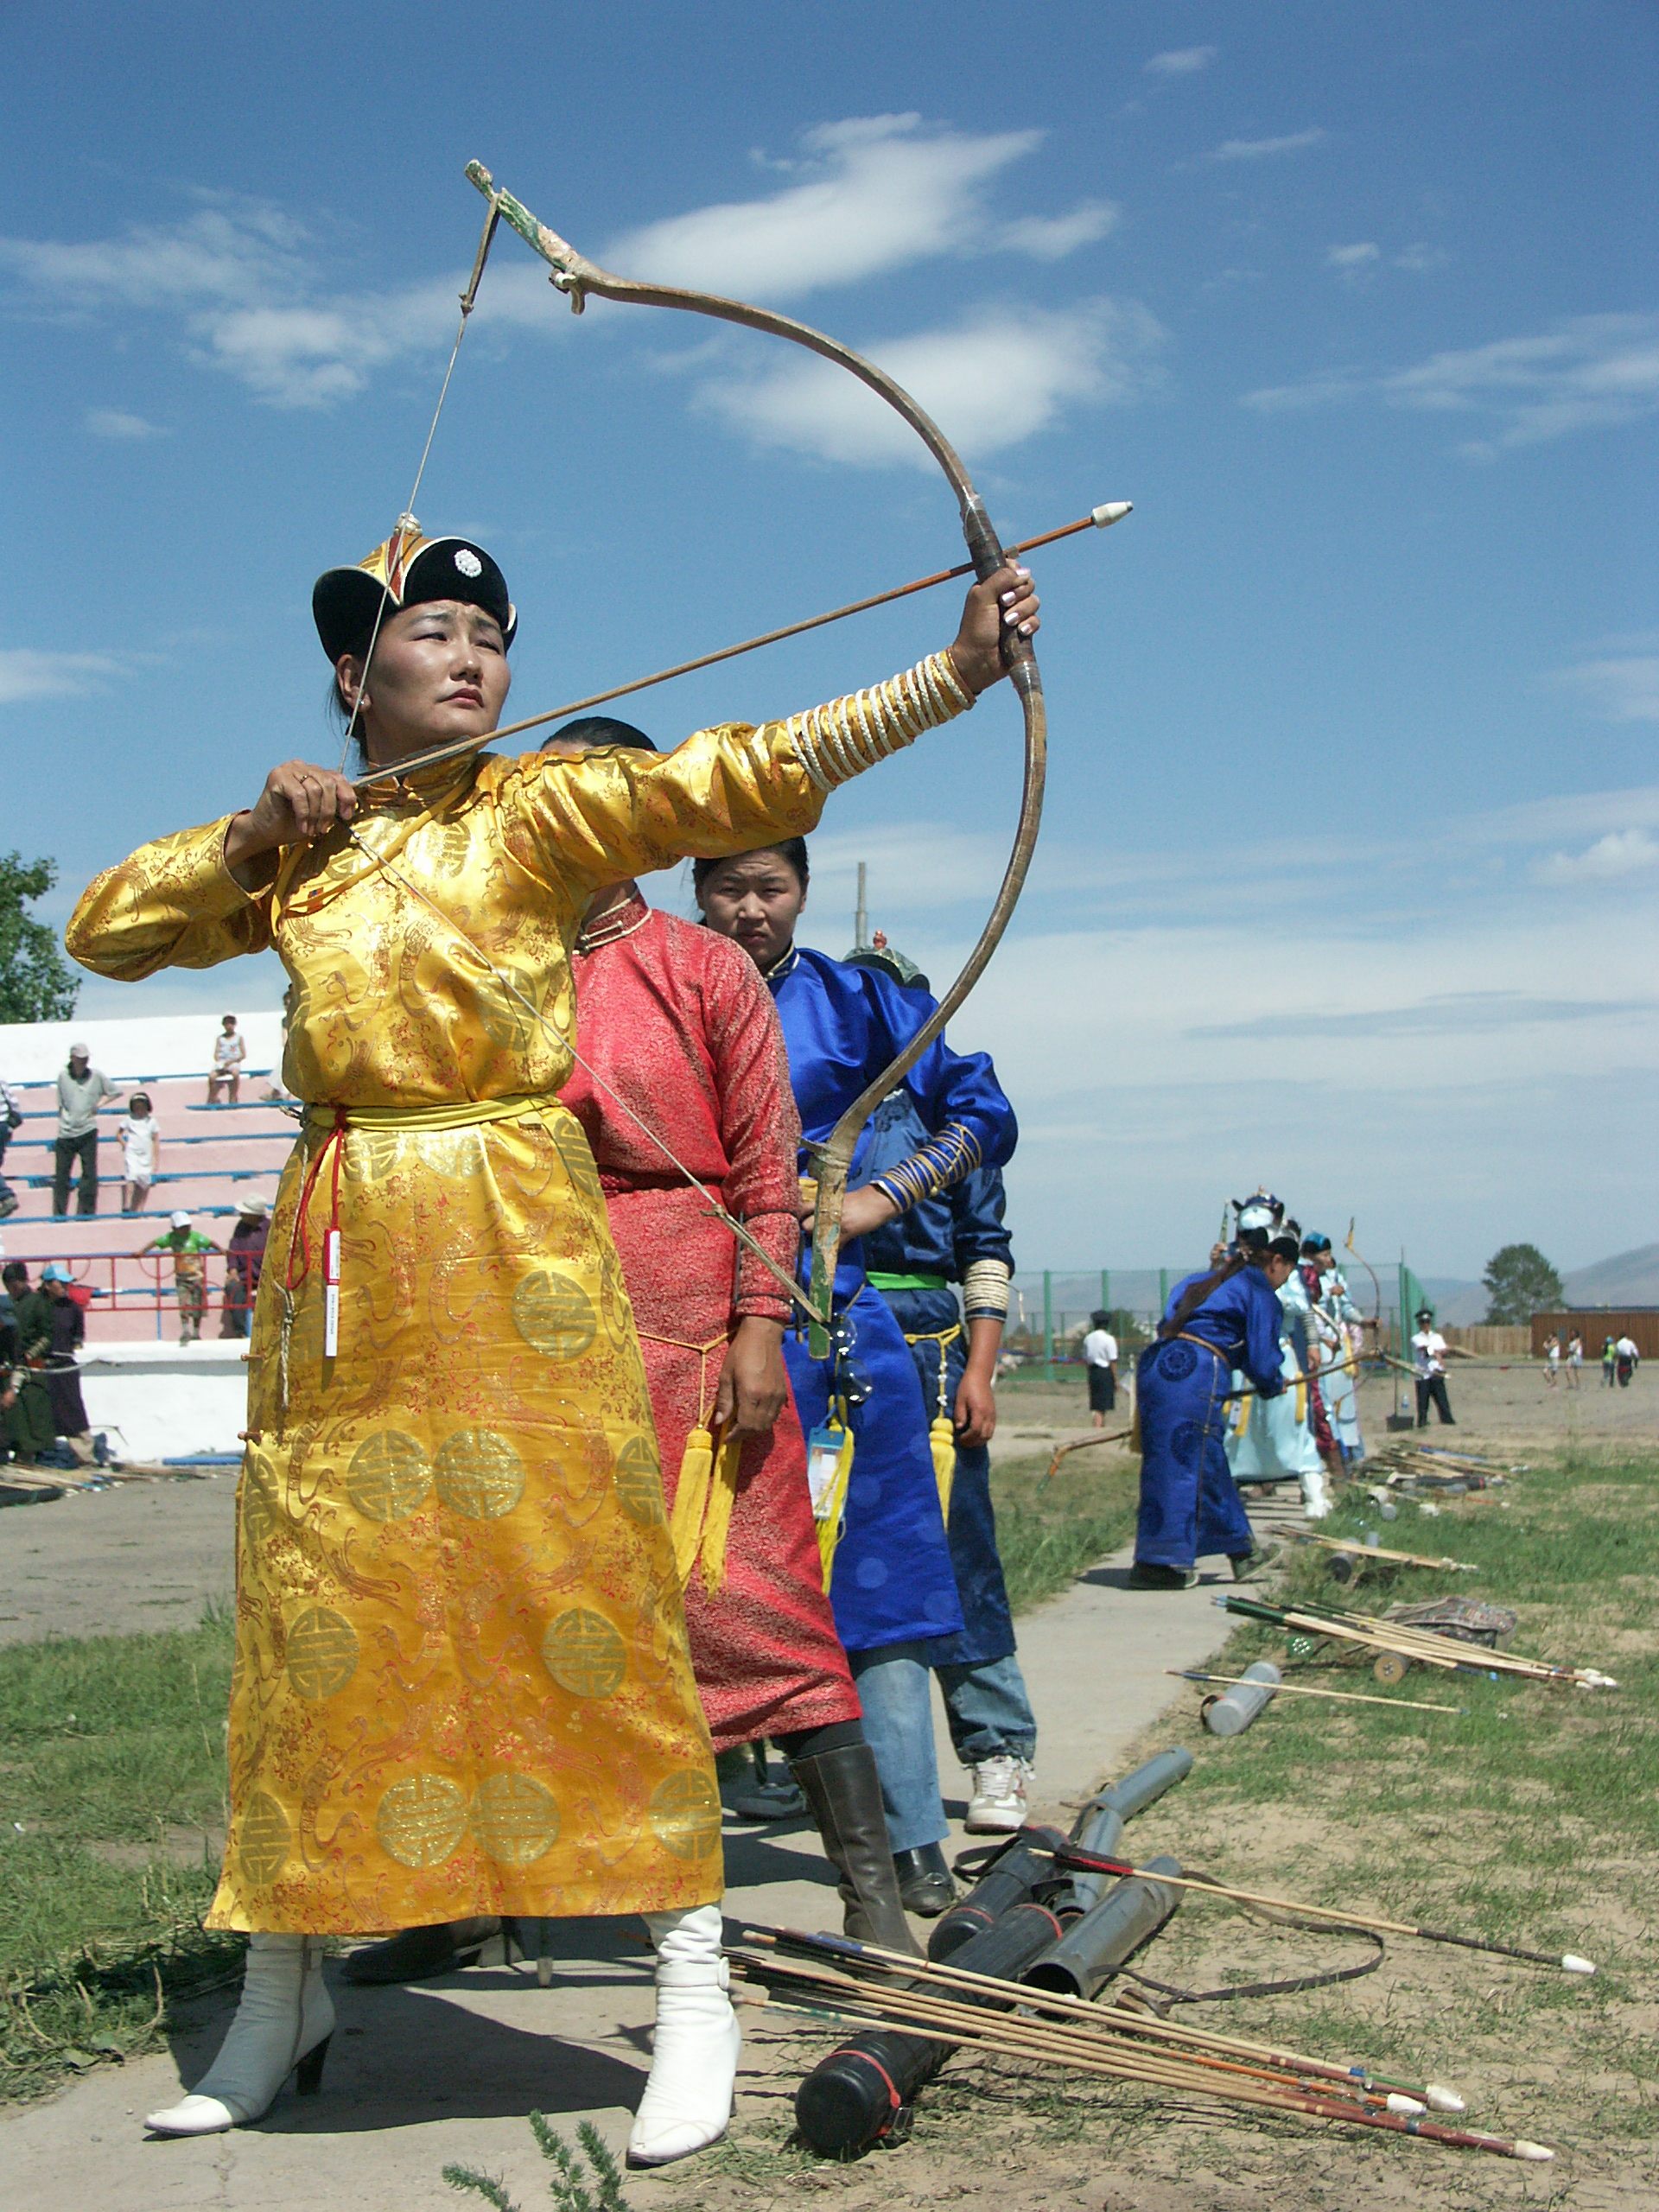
(576, 277)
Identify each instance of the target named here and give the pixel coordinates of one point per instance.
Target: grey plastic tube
(1099, 1826)
(1232, 1713)
(1093, 1948)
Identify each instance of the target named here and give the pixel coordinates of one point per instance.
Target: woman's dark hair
(791, 850)
(1100, 1319)
(1286, 1245)
(602, 730)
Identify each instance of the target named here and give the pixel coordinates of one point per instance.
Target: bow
(1349, 1245)
(576, 277)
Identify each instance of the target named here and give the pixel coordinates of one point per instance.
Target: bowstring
(406, 521)
(558, 1038)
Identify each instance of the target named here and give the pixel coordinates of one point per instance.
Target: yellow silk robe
(461, 1680)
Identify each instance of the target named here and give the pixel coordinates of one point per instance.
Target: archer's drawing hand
(300, 802)
(1004, 604)
(753, 1383)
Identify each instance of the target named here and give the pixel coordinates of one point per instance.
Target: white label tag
(823, 1451)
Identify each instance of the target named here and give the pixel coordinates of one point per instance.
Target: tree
(1520, 1282)
(36, 981)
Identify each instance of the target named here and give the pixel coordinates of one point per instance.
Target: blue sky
(1353, 836)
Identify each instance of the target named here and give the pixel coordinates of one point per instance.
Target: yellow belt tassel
(942, 1441)
(685, 1525)
(830, 1510)
(722, 1495)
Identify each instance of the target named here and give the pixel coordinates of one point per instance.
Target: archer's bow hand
(1004, 606)
(301, 801)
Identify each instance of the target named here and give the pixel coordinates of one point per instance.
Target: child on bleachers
(140, 1152)
(188, 1249)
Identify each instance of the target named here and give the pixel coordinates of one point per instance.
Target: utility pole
(860, 916)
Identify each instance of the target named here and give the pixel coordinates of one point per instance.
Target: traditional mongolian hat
(890, 961)
(1263, 1211)
(408, 569)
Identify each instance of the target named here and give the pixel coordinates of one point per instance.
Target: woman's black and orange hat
(407, 569)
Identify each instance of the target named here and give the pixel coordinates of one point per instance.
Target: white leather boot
(688, 2100)
(1315, 1503)
(283, 2022)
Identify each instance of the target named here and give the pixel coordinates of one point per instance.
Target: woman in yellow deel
(461, 1684)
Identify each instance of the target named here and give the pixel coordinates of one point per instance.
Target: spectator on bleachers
(244, 1258)
(230, 1051)
(140, 1152)
(11, 1120)
(190, 1249)
(82, 1090)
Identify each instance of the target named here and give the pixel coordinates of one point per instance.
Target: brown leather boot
(844, 1792)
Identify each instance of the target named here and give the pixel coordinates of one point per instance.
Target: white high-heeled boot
(283, 2022)
(693, 2051)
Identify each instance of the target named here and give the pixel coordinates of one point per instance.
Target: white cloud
(1255, 150)
(116, 422)
(999, 377)
(28, 674)
(1181, 61)
(1352, 257)
(1051, 238)
(1592, 373)
(872, 194)
(237, 280)
(1420, 260)
(1622, 851)
(1622, 688)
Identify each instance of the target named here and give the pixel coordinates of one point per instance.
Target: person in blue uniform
(951, 1247)
(893, 1586)
(1217, 1321)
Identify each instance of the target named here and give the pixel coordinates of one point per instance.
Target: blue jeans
(893, 1681)
(988, 1710)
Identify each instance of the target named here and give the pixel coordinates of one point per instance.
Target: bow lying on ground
(576, 277)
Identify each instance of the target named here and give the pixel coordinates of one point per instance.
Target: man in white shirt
(82, 1089)
(1625, 1357)
(1100, 1362)
(1428, 1364)
(230, 1050)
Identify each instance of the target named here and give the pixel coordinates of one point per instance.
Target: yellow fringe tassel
(704, 1499)
(691, 1502)
(942, 1440)
(836, 1502)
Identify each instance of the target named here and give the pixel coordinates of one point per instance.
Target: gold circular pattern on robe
(322, 1652)
(478, 1474)
(263, 1840)
(375, 1153)
(389, 1476)
(553, 1313)
(502, 1014)
(515, 1820)
(421, 1819)
(685, 1814)
(584, 1654)
(572, 1148)
(263, 1520)
(639, 1481)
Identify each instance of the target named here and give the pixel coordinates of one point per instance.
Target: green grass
(1048, 1532)
(112, 1805)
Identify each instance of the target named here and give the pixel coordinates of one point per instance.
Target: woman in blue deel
(1224, 1319)
(892, 1588)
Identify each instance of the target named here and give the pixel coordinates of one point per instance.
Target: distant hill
(1628, 1279)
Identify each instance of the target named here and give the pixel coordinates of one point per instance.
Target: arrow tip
(1443, 2100)
(1114, 510)
(1571, 1963)
(1535, 2151)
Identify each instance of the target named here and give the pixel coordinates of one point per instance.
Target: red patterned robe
(679, 1022)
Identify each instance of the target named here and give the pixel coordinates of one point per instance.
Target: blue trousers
(1190, 1505)
(894, 1687)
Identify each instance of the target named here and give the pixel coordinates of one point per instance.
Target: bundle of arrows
(1419, 1645)
(854, 1985)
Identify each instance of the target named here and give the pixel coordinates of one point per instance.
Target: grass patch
(111, 1812)
(1047, 1532)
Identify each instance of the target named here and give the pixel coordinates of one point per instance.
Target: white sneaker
(999, 1800)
